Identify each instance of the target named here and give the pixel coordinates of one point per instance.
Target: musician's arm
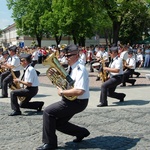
(113, 70)
(70, 92)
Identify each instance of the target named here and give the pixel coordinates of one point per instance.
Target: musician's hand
(59, 91)
(105, 68)
(16, 80)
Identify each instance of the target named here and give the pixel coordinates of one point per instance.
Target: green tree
(121, 13)
(0, 32)
(27, 14)
(74, 18)
(135, 22)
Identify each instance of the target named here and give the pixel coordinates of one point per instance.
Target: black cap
(1, 49)
(70, 48)
(112, 49)
(5, 52)
(26, 56)
(130, 52)
(13, 48)
(101, 46)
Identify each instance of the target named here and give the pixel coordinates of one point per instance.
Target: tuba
(14, 86)
(58, 75)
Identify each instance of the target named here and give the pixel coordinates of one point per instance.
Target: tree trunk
(116, 28)
(82, 41)
(75, 40)
(58, 39)
(39, 39)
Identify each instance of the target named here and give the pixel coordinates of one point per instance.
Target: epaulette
(78, 67)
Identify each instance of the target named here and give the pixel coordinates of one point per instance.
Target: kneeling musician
(115, 70)
(30, 80)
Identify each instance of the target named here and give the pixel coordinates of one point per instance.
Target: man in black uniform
(115, 71)
(57, 115)
(30, 80)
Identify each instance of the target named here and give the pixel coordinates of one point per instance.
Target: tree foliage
(117, 19)
(27, 15)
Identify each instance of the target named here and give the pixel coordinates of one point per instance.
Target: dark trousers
(28, 93)
(108, 89)
(57, 115)
(7, 78)
(126, 76)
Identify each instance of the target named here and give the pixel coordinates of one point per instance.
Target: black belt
(76, 100)
(117, 76)
(17, 71)
(81, 100)
(29, 87)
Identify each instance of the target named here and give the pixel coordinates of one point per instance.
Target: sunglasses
(22, 60)
(70, 55)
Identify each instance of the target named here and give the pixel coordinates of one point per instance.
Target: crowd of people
(115, 65)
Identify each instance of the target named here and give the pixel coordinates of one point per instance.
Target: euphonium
(58, 75)
(14, 86)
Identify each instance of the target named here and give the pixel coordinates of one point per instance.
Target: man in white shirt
(35, 58)
(130, 67)
(30, 80)
(115, 71)
(57, 116)
(12, 64)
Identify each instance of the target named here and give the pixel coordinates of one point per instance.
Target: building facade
(10, 37)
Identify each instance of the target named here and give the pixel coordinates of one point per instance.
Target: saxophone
(103, 73)
(58, 75)
(1, 68)
(14, 86)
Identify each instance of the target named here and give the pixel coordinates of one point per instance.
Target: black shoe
(15, 113)
(98, 78)
(122, 99)
(133, 82)
(46, 147)
(91, 70)
(79, 139)
(138, 75)
(122, 85)
(3, 96)
(40, 107)
(102, 105)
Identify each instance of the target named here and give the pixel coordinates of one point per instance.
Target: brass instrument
(58, 74)
(124, 64)
(14, 86)
(103, 73)
(1, 68)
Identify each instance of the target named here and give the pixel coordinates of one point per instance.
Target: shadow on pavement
(31, 113)
(105, 143)
(41, 95)
(132, 102)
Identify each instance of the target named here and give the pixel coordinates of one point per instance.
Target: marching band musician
(5, 56)
(62, 59)
(57, 115)
(30, 80)
(13, 63)
(105, 58)
(1, 56)
(130, 67)
(115, 70)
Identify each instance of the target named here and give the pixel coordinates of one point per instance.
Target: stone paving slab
(111, 129)
(120, 126)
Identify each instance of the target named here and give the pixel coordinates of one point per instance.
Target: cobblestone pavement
(121, 127)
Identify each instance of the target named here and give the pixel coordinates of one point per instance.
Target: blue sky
(5, 15)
